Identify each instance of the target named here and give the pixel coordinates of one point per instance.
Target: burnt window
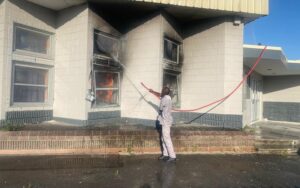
(106, 88)
(30, 84)
(106, 45)
(171, 80)
(31, 40)
(106, 69)
(171, 51)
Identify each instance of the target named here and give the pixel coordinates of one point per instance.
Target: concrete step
(276, 142)
(276, 146)
(280, 151)
(276, 130)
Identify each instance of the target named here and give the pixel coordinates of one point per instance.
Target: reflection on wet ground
(147, 172)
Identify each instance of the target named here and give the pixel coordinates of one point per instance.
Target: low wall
(122, 142)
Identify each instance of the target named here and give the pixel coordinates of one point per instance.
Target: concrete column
(203, 66)
(71, 62)
(233, 67)
(142, 60)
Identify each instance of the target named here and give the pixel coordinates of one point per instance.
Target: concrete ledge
(74, 122)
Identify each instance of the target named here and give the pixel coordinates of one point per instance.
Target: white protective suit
(165, 118)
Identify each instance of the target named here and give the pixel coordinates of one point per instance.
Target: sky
(280, 28)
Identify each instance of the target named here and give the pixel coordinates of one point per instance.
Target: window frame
(32, 66)
(107, 35)
(50, 51)
(107, 89)
(178, 50)
(177, 75)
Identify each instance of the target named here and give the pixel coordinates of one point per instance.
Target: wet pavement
(147, 172)
(278, 130)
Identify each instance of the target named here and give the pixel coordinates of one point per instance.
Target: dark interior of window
(30, 85)
(31, 41)
(171, 50)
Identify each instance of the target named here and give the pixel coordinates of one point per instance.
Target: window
(30, 85)
(106, 45)
(171, 51)
(30, 40)
(171, 81)
(106, 69)
(106, 88)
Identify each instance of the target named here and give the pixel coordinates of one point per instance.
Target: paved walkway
(278, 130)
(147, 172)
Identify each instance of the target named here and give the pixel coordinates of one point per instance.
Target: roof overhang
(57, 4)
(189, 9)
(273, 62)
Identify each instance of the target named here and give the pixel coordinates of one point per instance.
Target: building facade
(83, 62)
(272, 92)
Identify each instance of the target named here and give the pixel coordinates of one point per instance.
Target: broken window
(30, 85)
(106, 45)
(171, 80)
(106, 69)
(106, 88)
(30, 40)
(171, 51)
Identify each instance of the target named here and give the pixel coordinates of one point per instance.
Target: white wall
(2, 20)
(212, 67)
(203, 68)
(281, 89)
(233, 67)
(142, 58)
(71, 63)
(31, 15)
(281, 98)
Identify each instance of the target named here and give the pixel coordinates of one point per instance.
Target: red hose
(227, 96)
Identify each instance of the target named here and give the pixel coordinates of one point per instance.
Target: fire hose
(221, 100)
